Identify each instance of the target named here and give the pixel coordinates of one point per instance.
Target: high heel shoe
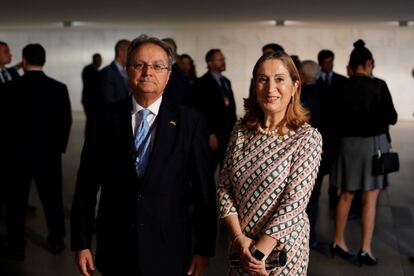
(365, 258)
(336, 249)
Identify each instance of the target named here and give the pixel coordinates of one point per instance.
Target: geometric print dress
(267, 180)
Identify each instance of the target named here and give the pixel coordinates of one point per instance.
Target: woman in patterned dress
(268, 174)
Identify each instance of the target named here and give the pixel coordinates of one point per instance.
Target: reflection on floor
(393, 238)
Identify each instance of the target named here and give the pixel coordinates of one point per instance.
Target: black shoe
(336, 249)
(56, 246)
(365, 258)
(411, 259)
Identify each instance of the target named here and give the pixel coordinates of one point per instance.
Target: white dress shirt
(154, 109)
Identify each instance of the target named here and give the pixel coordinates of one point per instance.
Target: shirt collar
(119, 66)
(154, 107)
(216, 75)
(328, 75)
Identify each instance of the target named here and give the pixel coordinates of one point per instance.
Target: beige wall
(69, 49)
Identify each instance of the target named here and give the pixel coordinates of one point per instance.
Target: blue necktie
(142, 142)
(224, 87)
(4, 75)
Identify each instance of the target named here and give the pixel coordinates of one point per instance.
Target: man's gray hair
(310, 71)
(144, 39)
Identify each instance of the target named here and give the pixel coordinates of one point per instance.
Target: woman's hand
(242, 245)
(259, 272)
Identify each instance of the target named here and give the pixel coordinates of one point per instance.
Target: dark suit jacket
(310, 97)
(329, 123)
(329, 101)
(112, 85)
(208, 98)
(178, 89)
(90, 92)
(146, 222)
(41, 115)
(13, 73)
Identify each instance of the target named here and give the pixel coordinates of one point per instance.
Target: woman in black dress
(365, 112)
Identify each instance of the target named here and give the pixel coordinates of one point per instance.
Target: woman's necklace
(267, 132)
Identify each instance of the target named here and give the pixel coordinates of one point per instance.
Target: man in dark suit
(90, 78)
(213, 96)
(178, 88)
(6, 75)
(113, 78)
(90, 93)
(39, 133)
(150, 160)
(330, 84)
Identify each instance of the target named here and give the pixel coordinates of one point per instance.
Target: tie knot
(144, 113)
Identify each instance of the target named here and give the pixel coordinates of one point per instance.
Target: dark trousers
(47, 174)
(313, 206)
(131, 269)
(128, 264)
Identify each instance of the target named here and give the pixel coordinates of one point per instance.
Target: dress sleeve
(388, 106)
(225, 192)
(290, 212)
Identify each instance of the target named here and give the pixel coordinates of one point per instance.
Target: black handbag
(385, 162)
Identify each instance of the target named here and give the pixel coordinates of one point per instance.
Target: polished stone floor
(393, 237)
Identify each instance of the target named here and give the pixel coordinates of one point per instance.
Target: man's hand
(84, 260)
(198, 266)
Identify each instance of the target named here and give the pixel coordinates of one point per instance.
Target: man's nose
(146, 70)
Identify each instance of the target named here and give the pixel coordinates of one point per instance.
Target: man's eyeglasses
(139, 66)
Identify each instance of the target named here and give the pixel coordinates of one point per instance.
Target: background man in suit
(89, 79)
(41, 113)
(113, 78)
(6, 75)
(90, 93)
(330, 84)
(178, 89)
(272, 47)
(213, 96)
(150, 159)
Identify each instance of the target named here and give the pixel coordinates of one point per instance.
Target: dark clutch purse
(383, 163)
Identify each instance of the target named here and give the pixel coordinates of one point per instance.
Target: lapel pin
(173, 123)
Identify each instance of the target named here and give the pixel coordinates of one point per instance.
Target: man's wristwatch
(257, 254)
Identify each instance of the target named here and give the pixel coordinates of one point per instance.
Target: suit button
(139, 197)
(141, 225)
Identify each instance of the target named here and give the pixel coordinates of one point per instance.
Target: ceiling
(23, 12)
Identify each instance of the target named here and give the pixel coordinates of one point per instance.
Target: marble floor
(393, 237)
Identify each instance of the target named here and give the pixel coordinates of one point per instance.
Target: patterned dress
(267, 180)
